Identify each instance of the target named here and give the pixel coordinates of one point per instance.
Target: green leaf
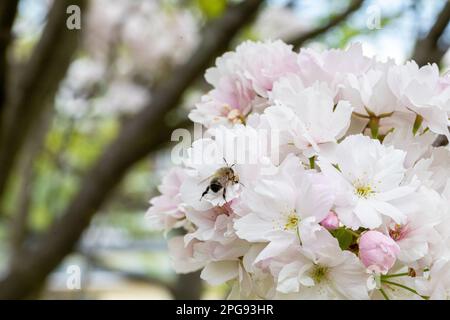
(344, 238)
(212, 9)
(417, 124)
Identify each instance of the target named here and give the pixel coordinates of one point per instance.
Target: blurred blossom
(83, 90)
(84, 73)
(123, 97)
(104, 17)
(82, 77)
(129, 46)
(143, 30)
(148, 30)
(277, 22)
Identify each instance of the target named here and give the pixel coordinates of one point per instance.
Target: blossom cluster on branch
(316, 178)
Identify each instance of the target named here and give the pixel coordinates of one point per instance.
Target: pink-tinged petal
(331, 221)
(377, 251)
(219, 272)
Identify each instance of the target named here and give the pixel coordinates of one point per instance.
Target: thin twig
(8, 10)
(335, 21)
(36, 85)
(428, 49)
(405, 287)
(386, 297)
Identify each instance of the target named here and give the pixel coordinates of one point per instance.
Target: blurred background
(90, 92)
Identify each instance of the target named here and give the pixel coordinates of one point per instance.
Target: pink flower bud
(331, 221)
(377, 251)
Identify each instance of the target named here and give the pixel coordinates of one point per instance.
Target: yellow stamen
(291, 222)
(363, 191)
(319, 273)
(236, 116)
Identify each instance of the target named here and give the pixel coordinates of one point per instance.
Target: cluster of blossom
(118, 66)
(316, 178)
(117, 52)
(278, 22)
(135, 24)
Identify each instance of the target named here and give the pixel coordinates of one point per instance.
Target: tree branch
(37, 85)
(300, 40)
(19, 224)
(131, 275)
(8, 10)
(428, 49)
(134, 142)
(185, 287)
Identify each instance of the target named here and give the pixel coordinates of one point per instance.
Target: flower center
(398, 232)
(363, 190)
(291, 221)
(234, 115)
(225, 209)
(319, 273)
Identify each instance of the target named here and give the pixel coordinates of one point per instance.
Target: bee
(220, 180)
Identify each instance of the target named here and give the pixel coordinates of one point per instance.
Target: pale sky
(395, 40)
